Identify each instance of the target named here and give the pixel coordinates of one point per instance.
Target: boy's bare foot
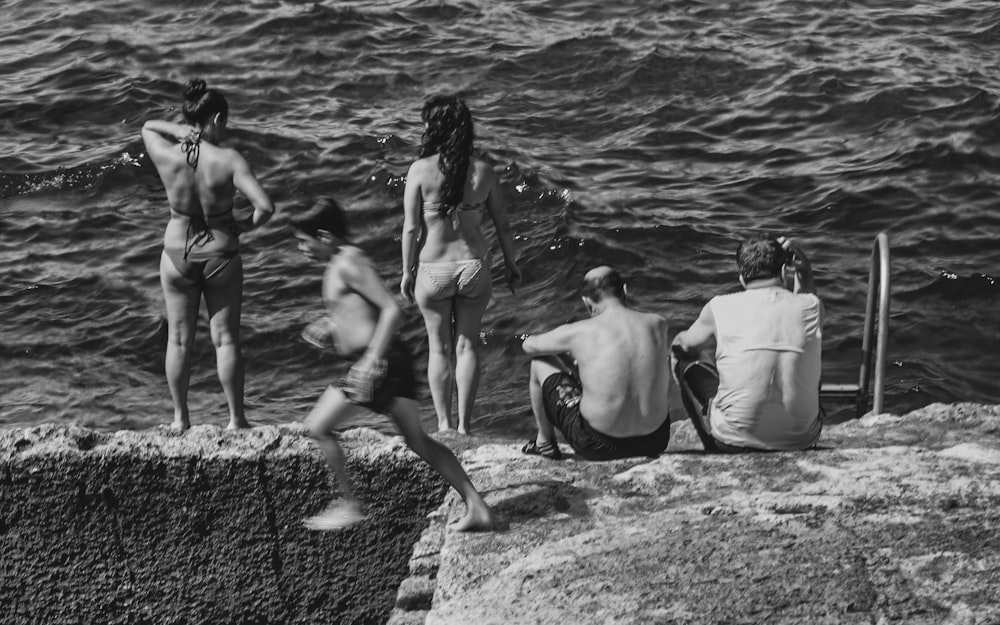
(476, 519)
(336, 516)
(240, 423)
(180, 424)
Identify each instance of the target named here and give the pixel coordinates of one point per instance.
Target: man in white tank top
(762, 393)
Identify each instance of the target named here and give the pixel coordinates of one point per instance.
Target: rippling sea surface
(646, 135)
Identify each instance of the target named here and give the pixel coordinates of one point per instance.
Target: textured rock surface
(893, 520)
(204, 527)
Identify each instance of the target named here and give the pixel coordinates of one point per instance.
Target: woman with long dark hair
(447, 271)
(201, 254)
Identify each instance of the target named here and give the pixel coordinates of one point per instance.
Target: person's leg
(468, 321)
(333, 408)
(224, 300)
(478, 515)
(437, 314)
(181, 298)
(540, 370)
(698, 383)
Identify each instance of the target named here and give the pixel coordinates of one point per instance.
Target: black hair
(449, 134)
(326, 214)
(607, 283)
(760, 258)
(202, 103)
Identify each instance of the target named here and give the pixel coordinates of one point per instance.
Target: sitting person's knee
(541, 368)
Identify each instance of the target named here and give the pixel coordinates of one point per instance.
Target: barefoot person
(449, 195)
(363, 320)
(613, 402)
(201, 254)
(762, 391)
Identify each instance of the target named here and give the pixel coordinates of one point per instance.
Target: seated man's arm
(804, 282)
(553, 347)
(700, 335)
(556, 341)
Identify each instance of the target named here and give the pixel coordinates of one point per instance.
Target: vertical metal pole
(864, 376)
(882, 242)
(878, 281)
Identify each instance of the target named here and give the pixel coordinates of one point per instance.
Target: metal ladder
(877, 306)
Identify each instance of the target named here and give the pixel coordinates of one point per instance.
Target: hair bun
(195, 89)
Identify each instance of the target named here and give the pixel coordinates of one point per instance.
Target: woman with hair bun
(449, 194)
(201, 256)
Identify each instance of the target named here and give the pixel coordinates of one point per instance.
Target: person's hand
(513, 276)
(188, 134)
(804, 281)
(796, 256)
(406, 286)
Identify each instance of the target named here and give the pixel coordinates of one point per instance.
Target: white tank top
(768, 353)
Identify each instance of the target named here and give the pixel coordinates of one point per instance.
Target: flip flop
(548, 449)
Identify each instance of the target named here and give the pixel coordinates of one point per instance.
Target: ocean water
(647, 135)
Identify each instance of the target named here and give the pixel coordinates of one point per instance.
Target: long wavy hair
(449, 134)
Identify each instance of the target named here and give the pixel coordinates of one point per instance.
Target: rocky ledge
(892, 520)
(201, 527)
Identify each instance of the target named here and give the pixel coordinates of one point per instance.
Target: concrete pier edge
(891, 520)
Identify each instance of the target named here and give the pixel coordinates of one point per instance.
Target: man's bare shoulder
(652, 316)
(648, 318)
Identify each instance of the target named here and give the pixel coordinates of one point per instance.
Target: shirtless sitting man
(363, 323)
(613, 402)
(762, 392)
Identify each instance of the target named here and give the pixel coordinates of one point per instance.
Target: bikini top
(452, 211)
(198, 230)
(191, 147)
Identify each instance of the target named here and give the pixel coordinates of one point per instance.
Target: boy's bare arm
(365, 281)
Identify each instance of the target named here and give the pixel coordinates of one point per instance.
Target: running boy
(363, 320)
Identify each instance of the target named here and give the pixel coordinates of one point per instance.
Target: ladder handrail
(878, 276)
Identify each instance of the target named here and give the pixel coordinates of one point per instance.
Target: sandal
(548, 449)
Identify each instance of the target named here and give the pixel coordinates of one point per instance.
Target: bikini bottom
(202, 267)
(458, 278)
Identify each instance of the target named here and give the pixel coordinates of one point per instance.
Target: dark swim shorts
(561, 393)
(377, 392)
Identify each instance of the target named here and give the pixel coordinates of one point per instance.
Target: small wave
(86, 176)
(317, 20)
(952, 286)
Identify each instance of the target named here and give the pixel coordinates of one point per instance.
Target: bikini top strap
(191, 147)
(451, 211)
